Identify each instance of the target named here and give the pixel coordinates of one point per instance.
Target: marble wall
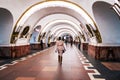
(104, 51)
(14, 51)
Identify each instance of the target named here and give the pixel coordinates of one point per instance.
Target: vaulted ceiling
(34, 20)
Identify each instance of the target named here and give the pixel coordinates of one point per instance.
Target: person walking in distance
(60, 49)
(41, 44)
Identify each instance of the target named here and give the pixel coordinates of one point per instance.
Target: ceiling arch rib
(53, 26)
(59, 22)
(58, 16)
(57, 29)
(61, 30)
(60, 33)
(69, 8)
(65, 31)
(58, 7)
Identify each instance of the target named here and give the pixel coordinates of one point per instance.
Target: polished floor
(43, 65)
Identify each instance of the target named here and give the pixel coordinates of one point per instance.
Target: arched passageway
(46, 8)
(6, 24)
(108, 22)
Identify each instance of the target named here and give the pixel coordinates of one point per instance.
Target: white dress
(60, 47)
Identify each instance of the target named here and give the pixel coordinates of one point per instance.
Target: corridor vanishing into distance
(43, 65)
(29, 30)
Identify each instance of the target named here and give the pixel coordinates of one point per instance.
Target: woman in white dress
(60, 48)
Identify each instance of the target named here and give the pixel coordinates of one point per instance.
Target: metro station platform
(43, 65)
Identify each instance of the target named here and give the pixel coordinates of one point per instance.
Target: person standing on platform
(71, 41)
(49, 42)
(79, 45)
(60, 49)
(41, 44)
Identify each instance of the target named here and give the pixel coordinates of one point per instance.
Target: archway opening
(108, 22)
(6, 23)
